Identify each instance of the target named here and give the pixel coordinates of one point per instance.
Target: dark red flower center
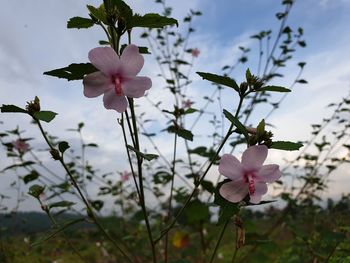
(118, 85)
(249, 177)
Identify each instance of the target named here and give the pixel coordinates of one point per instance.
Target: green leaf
(61, 204)
(286, 146)
(97, 204)
(260, 129)
(53, 233)
(210, 153)
(146, 156)
(186, 134)
(73, 71)
(301, 81)
(274, 89)
(190, 110)
(98, 13)
(36, 190)
(91, 145)
(63, 146)
(12, 108)
(152, 21)
(33, 175)
(208, 185)
(240, 127)
(142, 50)
(80, 22)
(221, 80)
(26, 163)
(46, 116)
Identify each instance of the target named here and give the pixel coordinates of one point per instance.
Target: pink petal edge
(234, 191)
(112, 101)
(254, 157)
(105, 59)
(132, 60)
(230, 167)
(135, 87)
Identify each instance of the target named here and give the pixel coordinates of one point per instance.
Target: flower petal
(132, 60)
(112, 101)
(95, 84)
(105, 59)
(260, 190)
(231, 168)
(254, 157)
(135, 87)
(234, 191)
(268, 173)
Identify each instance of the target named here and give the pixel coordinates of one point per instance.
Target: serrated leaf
(46, 116)
(146, 156)
(142, 50)
(36, 190)
(152, 20)
(12, 108)
(274, 89)
(61, 204)
(56, 231)
(26, 163)
(73, 71)
(80, 22)
(63, 146)
(183, 133)
(98, 13)
(33, 175)
(286, 146)
(221, 80)
(240, 127)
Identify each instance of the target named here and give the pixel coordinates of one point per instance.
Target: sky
(34, 39)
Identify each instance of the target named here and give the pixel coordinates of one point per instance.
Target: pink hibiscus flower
(21, 146)
(187, 103)
(249, 176)
(195, 52)
(125, 176)
(117, 77)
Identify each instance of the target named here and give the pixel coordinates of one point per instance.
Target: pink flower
(249, 176)
(125, 176)
(195, 52)
(187, 103)
(21, 146)
(117, 77)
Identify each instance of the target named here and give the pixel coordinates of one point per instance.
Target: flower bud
(55, 154)
(243, 87)
(33, 106)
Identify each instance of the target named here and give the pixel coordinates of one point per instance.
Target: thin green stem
(76, 186)
(171, 195)
(139, 166)
(129, 157)
(229, 132)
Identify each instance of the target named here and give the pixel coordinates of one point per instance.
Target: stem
(139, 166)
(219, 240)
(229, 132)
(171, 195)
(88, 207)
(55, 225)
(129, 157)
